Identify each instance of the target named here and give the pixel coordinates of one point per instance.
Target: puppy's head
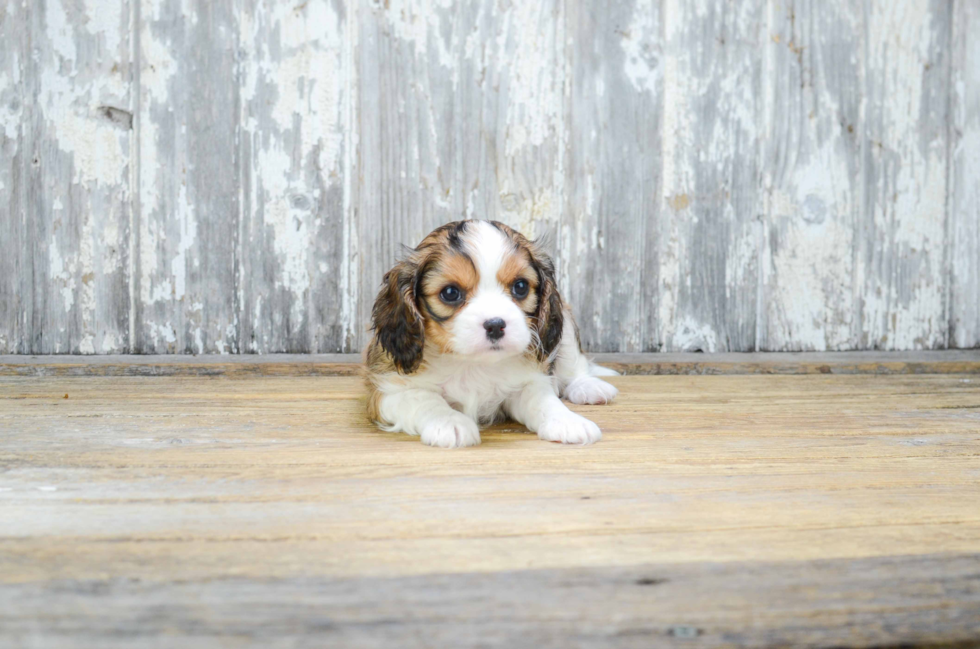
(476, 289)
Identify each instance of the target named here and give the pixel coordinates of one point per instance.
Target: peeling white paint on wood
(612, 186)
(189, 177)
(185, 176)
(709, 233)
(16, 272)
(900, 262)
(460, 105)
(68, 83)
(811, 174)
(964, 205)
(292, 140)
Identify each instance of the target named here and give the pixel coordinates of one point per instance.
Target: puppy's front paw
(590, 390)
(451, 431)
(569, 428)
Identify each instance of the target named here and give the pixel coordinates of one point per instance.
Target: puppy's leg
(576, 374)
(426, 414)
(539, 408)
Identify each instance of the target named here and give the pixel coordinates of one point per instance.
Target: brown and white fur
(469, 329)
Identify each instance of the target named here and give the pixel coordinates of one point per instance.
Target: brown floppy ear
(549, 320)
(396, 319)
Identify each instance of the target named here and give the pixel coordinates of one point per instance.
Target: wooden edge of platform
(966, 361)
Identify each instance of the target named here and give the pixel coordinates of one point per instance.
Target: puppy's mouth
(495, 350)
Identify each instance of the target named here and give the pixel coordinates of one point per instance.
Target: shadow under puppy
(470, 329)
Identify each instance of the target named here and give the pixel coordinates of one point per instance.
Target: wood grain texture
(16, 268)
(732, 511)
(609, 229)
(236, 176)
(900, 263)
(709, 237)
(77, 183)
(509, 114)
(812, 174)
(190, 178)
(964, 206)
(292, 122)
(843, 603)
(460, 116)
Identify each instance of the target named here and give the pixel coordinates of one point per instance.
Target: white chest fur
(479, 389)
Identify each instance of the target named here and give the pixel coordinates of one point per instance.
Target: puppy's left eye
(520, 288)
(451, 294)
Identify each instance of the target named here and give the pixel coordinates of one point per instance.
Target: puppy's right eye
(451, 295)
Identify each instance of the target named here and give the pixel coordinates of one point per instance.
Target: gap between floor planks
(966, 361)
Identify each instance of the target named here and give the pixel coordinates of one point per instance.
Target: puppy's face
(480, 296)
(475, 289)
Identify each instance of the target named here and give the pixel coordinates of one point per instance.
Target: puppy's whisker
(535, 341)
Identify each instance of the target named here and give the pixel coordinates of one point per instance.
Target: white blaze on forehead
(488, 247)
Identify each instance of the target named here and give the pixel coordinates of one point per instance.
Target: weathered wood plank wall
(193, 176)
(963, 207)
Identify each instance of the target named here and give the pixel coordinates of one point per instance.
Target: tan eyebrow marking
(517, 266)
(453, 268)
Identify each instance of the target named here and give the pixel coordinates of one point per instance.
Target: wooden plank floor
(752, 510)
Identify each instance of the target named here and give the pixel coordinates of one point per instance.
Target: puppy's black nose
(495, 328)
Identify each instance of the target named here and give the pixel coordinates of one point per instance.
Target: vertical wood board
(16, 270)
(901, 237)
(292, 150)
(709, 236)
(812, 170)
(190, 179)
(76, 203)
(615, 107)
(964, 199)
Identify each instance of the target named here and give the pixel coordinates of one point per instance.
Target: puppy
(470, 329)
